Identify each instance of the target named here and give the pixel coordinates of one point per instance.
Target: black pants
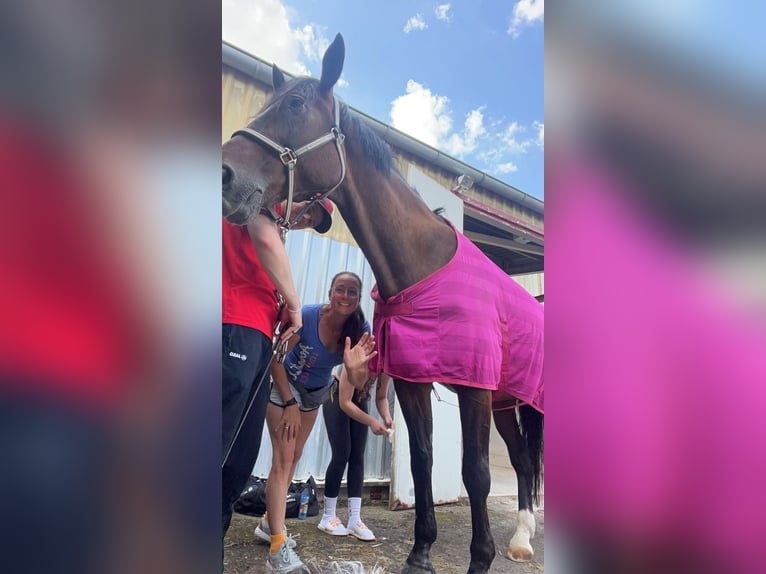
(53, 487)
(348, 439)
(246, 355)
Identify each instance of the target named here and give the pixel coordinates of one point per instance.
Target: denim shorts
(276, 399)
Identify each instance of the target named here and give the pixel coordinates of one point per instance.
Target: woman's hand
(378, 427)
(361, 353)
(290, 423)
(291, 319)
(355, 359)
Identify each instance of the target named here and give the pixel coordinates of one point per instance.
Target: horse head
(292, 149)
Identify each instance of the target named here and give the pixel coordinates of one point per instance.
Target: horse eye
(295, 104)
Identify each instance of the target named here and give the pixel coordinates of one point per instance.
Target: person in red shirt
(255, 268)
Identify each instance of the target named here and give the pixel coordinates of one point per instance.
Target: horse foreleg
(415, 402)
(475, 415)
(520, 548)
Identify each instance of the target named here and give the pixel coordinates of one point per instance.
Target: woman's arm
(272, 255)
(381, 399)
(345, 396)
(291, 417)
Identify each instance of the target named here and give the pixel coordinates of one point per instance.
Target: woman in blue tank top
(333, 333)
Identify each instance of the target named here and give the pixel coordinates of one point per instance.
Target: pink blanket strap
(393, 310)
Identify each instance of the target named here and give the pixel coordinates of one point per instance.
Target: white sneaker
(263, 532)
(284, 560)
(333, 526)
(360, 531)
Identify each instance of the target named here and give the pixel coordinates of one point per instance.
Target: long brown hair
(354, 325)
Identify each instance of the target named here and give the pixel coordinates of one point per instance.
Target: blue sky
(465, 77)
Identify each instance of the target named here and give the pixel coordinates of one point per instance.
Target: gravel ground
(394, 531)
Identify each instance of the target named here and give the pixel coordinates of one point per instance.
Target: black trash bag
(252, 501)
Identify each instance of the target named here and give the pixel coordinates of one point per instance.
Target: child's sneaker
(263, 532)
(284, 560)
(333, 526)
(360, 531)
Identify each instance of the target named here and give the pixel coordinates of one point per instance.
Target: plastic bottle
(304, 507)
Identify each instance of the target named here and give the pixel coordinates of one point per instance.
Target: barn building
(504, 222)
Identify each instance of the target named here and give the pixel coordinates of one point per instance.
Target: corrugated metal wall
(534, 283)
(315, 259)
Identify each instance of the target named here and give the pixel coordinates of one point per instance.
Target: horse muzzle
(241, 205)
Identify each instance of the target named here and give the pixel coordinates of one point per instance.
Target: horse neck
(401, 238)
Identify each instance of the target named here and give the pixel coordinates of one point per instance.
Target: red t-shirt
(248, 293)
(70, 326)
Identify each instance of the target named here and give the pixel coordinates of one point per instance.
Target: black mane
(374, 147)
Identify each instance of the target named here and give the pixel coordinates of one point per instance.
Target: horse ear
(332, 63)
(277, 77)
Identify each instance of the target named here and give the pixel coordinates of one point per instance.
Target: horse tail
(532, 433)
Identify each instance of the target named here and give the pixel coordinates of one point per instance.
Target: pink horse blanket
(466, 324)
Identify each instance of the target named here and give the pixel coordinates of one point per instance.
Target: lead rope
(441, 400)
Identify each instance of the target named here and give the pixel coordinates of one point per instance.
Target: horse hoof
(413, 569)
(519, 554)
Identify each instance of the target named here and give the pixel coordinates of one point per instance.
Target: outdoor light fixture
(463, 182)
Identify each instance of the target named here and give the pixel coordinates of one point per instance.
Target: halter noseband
(289, 159)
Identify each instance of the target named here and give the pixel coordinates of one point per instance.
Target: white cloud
(490, 145)
(526, 13)
(474, 123)
(506, 143)
(263, 28)
(313, 43)
(473, 129)
(510, 138)
(427, 117)
(441, 12)
(415, 23)
(507, 167)
(422, 115)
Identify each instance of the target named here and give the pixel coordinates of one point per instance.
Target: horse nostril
(226, 174)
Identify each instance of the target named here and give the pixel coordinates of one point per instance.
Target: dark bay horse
(304, 145)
